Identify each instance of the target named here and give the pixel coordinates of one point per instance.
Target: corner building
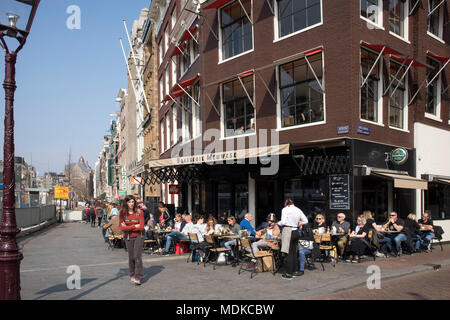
(354, 95)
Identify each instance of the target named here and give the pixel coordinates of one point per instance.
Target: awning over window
(403, 181)
(180, 88)
(437, 57)
(408, 61)
(178, 50)
(185, 83)
(382, 48)
(222, 156)
(173, 95)
(217, 4)
(188, 34)
(444, 181)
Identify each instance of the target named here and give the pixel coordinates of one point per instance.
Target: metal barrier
(28, 217)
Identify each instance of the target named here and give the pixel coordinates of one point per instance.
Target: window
(372, 10)
(174, 17)
(174, 73)
(174, 124)
(435, 19)
(397, 99)
(161, 89)
(295, 15)
(166, 39)
(160, 52)
(162, 136)
(236, 29)
(397, 17)
(239, 115)
(302, 98)
(195, 46)
(370, 95)
(432, 104)
(197, 125)
(167, 131)
(184, 59)
(437, 201)
(167, 77)
(187, 117)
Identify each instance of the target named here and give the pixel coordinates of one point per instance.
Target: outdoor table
(390, 232)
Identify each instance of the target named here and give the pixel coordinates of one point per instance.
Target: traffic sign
(61, 192)
(137, 180)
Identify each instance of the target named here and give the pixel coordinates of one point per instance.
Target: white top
(177, 226)
(189, 228)
(200, 230)
(291, 215)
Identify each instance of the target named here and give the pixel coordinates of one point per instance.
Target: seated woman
(211, 225)
(319, 225)
(412, 232)
(114, 224)
(357, 243)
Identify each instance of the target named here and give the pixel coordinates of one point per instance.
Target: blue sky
(67, 81)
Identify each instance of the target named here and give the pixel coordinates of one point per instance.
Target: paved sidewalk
(104, 273)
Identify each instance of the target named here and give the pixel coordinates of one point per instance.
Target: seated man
(114, 224)
(341, 226)
(245, 225)
(182, 229)
(425, 236)
(272, 231)
(395, 224)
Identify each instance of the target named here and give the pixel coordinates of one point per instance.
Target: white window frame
(221, 60)
(436, 116)
(279, 102)
(405, 36)
(174, 73)
(162, 126)
(438, 37)
(380, 91)
(196, 115)
(174, 124)
(185, 136)
(405, 105)
(168, 144)
(173, 18)
(167, 80)
(379, 23)
(166, 38)
(161, 91)
(277, 29)
(160, 52)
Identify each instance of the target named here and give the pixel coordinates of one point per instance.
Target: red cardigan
(131, 220)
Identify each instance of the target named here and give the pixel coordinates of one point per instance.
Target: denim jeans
(228, 244)
(385, 243)
(302, 258)
(174, 235)
(424, 239)
(398, 239)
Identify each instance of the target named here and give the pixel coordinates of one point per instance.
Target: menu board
(339, 192)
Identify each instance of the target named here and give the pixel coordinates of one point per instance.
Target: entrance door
(265, 200)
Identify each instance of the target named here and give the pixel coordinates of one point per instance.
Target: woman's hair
(125, 204)
(232, 218)
(412, 216)
(367, 214)
(288, 202)
(320, 215)
(208, 227)
(178, 215)
(363, 219)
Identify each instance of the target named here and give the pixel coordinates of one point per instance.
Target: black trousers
(92, 221)
(99, 221)
(292, 258)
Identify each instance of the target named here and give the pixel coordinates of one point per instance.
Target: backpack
(92, 211)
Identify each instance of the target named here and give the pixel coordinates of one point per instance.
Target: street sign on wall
(174, 189)
(137, 180)
(61, 192)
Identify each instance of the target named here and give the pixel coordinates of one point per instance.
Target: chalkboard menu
(339, 192)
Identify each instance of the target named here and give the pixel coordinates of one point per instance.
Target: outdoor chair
(326, 248)
(214, 249)
(114, 239)
(193, 238)
(433, 242)
(259, 257)
(149, 245)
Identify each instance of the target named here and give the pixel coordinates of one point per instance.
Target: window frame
(438, 37)
(405, 36)
(405, 98)
(379, 121)
(220, 43)
(379, 23)
(438, 99)
(276, 33)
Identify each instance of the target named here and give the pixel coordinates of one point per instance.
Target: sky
(67, 81)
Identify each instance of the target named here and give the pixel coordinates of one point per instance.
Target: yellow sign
(61, 192)
(137, 180)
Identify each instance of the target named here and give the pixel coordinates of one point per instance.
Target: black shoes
(287, 276)
(298, 274)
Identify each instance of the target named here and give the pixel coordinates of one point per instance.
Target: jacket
(130, 220)
(115, 225)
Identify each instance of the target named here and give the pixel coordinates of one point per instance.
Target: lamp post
(17, 24)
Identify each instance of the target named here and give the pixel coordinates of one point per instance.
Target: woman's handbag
(305, 244)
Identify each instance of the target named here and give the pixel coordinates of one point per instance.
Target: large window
(433, 96)
(236, 28)
(302, 98)
(184, 59)
(295, 15)
(175, 123)
(370, 90)
(239, 112)
(397, 92)
(167, 131)
(437, 201)
(197, 115)
(162, 136)
(372, 10)
(397, 17)
(187, 117)
(436, 18)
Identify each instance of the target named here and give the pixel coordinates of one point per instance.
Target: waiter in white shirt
(291, 219)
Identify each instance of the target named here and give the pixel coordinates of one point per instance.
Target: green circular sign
(399, 156)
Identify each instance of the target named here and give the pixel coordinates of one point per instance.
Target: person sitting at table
(246, 225)
(358, 241)
(341, 226)
(412, 229)
(182, 228)
(272, 231)
(319, 225)
(231, 229)
(426, 235)
(306, 246)
(211, 225)
(114, 224)
(396, 226)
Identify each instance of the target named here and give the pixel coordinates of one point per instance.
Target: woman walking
(132, 224)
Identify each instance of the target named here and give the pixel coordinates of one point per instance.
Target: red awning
(174, 94)
(408, 61)
(379, 47)
(312, 52)
(187, 34)
(217, 4)
(435, 56)
(178, 50)
(185, 83)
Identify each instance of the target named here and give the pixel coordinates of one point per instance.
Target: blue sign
(363, 129)
(1, 186)
(343, 129)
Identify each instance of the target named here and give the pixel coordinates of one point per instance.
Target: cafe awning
(401, 179)
(259, 152)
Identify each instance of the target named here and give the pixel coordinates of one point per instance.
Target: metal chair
(259, 256)
(214, 248)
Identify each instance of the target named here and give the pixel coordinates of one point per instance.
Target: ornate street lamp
(16, 18)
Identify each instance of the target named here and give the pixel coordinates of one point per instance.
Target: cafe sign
(399, 156)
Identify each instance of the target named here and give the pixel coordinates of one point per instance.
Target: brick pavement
(104, 273)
